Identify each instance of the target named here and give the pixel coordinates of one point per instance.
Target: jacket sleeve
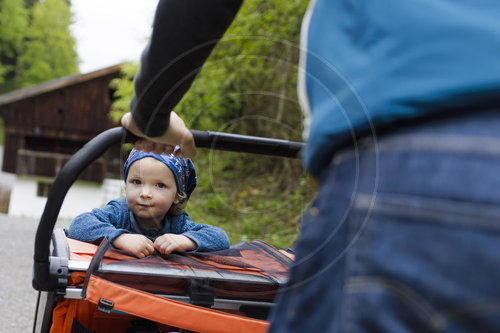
(207, 237)
(184, 34)
(108, 222)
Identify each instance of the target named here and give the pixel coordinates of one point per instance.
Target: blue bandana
(182, 168)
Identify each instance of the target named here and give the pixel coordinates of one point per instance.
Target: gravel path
(17, 297)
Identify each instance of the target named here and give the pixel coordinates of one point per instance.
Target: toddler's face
(150, 189)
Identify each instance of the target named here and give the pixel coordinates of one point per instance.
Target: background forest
(35, 42)
(248, 86)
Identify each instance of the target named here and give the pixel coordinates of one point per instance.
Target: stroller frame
(52, 264)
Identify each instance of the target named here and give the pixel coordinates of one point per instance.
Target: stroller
(88, 288)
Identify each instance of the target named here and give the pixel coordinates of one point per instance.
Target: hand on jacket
(168, 243)
(137, 244)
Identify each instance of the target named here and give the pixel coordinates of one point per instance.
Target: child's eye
(136, 182)
(161, 185)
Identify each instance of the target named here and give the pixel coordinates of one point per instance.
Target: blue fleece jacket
(369, 65)
(116, 218)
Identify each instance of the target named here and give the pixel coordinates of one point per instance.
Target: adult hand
(137, 244)
(168, 243)
(177, 134)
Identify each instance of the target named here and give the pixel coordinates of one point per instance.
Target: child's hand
(138, 245)
(168, 243)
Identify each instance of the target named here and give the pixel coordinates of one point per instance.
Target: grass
(251, 197)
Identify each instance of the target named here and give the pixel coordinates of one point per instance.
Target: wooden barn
(44, 126)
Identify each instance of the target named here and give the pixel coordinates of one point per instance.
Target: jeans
(404, 236)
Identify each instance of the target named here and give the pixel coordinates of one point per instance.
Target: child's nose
(146, 192)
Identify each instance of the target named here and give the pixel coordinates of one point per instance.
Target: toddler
(151, 216)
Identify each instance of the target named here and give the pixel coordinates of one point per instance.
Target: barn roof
(20, 94)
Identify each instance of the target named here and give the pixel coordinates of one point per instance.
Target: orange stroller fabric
(169, 312)
(130, 300)
(86, 313)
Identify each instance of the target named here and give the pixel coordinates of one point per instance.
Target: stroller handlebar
(43, 278)
(247, 144)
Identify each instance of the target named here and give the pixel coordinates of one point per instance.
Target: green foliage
(13, 25)
(2, 132)
(49, 48)
(4, 70)
(123, 89)
(35, 42)
(248, 204)
(247, 86)
(251, 71)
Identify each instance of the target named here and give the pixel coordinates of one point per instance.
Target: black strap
(95, 263)
(78, 327)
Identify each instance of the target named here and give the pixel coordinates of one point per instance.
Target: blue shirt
(370, 64)
(116, 218)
